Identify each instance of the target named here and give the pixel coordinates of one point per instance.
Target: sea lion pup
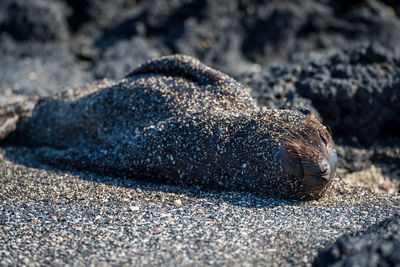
(178, 121)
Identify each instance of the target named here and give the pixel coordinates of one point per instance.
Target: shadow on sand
(30, 157)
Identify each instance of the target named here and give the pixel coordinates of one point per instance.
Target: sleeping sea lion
(178, 121)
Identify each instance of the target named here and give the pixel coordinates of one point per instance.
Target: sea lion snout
(318, 175)
(315, 176)
(307, 157)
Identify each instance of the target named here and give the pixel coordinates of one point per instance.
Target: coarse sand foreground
(56, 217)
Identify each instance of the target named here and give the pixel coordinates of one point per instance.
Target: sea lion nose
(318, 176)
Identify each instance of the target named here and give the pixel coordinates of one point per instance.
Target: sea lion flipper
(182, 65)
(12, 107)
(7, 125)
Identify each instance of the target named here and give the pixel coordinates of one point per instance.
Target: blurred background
(47, 44)
(339, 59)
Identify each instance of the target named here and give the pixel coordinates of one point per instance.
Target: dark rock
(355, 90)
(274, 88)
(233, 35)
(378, 246)
(41, 75)
(392, 156)
(119, 59)
(38, 20)
(98, 12)
(354, 159)
(36, 58)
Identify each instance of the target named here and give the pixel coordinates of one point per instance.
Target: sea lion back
(154, 92)
(194, 86)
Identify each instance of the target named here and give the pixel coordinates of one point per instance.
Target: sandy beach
(54, 217)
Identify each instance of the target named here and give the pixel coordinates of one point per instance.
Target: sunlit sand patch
(378, 178)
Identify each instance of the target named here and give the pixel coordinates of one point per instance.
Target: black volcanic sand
(56, 217)
(350, 80)
(379, 245)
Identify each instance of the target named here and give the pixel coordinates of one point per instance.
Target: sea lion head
(304, 151)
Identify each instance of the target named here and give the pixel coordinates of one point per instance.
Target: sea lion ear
(183, 66)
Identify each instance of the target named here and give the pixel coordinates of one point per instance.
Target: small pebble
(134, 208)
(177, 202)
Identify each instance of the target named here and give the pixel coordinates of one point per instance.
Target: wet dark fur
(176, 120)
